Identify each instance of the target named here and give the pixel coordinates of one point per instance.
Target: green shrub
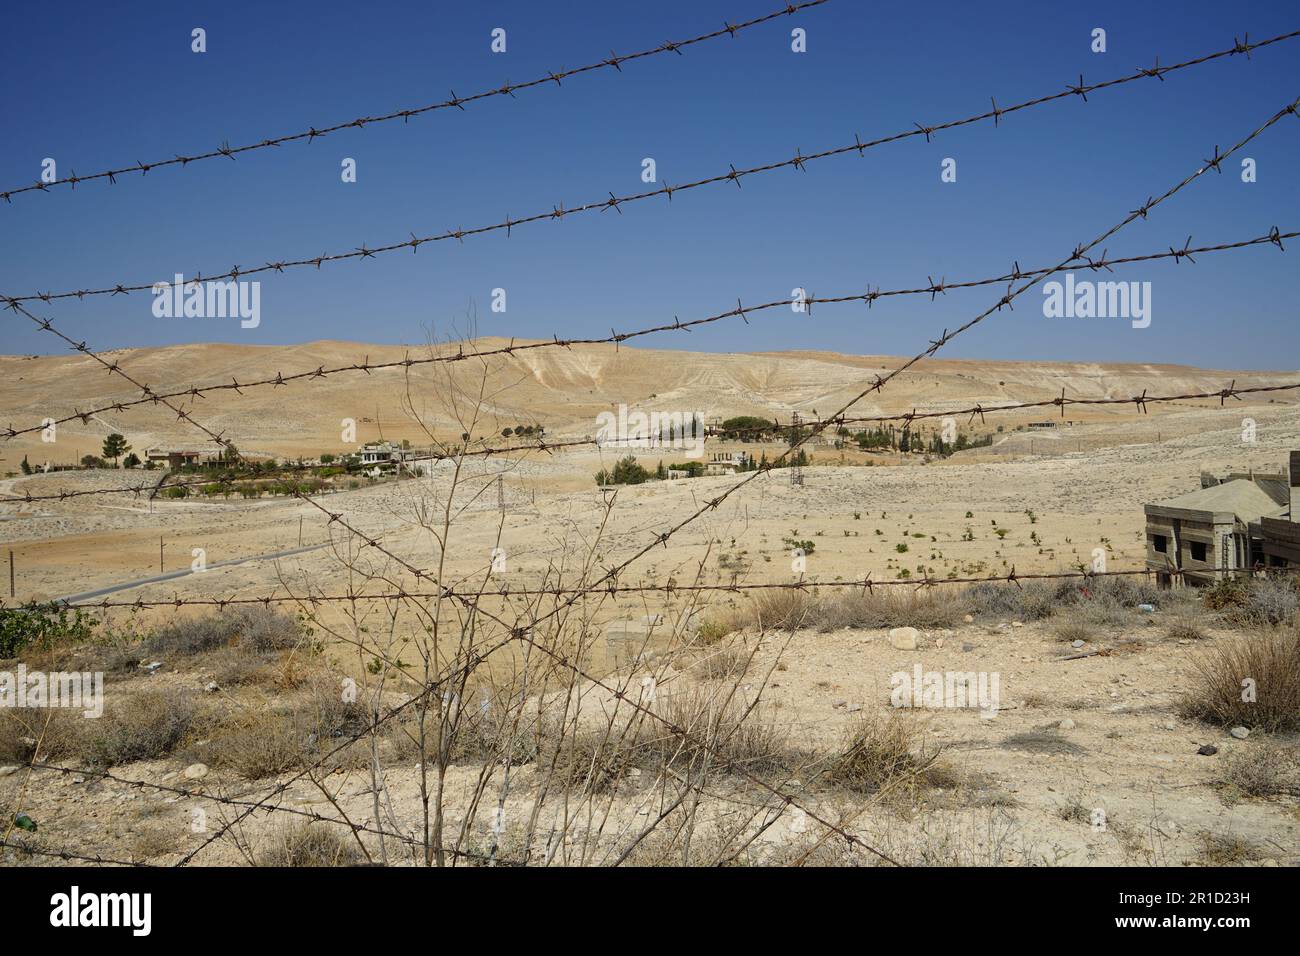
(41, 626)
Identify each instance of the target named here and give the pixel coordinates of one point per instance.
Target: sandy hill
(564, 389)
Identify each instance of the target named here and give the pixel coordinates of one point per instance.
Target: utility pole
(160, 554)
(796, 470)
(11, 572)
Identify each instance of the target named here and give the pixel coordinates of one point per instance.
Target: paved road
(172, 575)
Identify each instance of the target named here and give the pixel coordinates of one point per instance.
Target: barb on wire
(1272, 237)
(732, 175)
(457, 102)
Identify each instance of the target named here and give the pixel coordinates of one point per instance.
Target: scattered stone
(1241, 733)
(854, 708)
(78, 778)
(1017, 624)
(1076, 643)
(196, 771)
(840, 703)
(212, 687)
(1170, 725)
(1066, 724)
(1148, 608)
(153, 666)
(6, 771)
(939, 642)
(904, 638)
(968, 619)
(967, 647)
(1208, 750)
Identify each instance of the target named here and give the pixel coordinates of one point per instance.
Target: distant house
(173, 457)
(726, 462)
(378, 453)
(1217, 531)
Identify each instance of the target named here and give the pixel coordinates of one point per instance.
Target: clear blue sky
(96, 85)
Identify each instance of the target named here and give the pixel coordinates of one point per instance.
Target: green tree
(26, 466)
(115, 447)
(131, 461)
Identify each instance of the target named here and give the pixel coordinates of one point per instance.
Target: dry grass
(306, 843)
(1225, 849)
(1074, 630)
(145, 726)
(1262, 770)
(878, 749)
(1269, 660)
(259, 742)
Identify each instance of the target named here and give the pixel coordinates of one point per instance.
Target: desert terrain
(1092, 717)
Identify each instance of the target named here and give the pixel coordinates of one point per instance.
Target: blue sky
(106, 85)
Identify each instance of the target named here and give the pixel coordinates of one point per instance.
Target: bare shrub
(877, 750)
(1263, 770)
(1184, 627)
(307, 843)
(1271, 660)
(1033, 601)
(782, 609)
(264, 742)
(1225, 849)
(257, 629)
(1263, 603)
(720, 732)
(718, 663)
(22, 729)
(145, 726)
(886, 608)
(1074, 630)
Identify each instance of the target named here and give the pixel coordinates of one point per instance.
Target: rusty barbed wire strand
(733, 175)
(866, 583)
(68, 856)
(613, 61)
(1274, 237)
(226, 484)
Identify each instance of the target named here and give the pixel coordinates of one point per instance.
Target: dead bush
(877, 750)
(264, 742)
(22, 728)
(145, 726)
(1262, 770)
(721, 733)
(256, 629)
(308, 843)
(886, 608)
(1264, 668)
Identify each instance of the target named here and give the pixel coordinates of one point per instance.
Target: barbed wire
(613, 61)
(113, 368)
(797, 162)
(68, 856)
(867, 583)
(1273, 237)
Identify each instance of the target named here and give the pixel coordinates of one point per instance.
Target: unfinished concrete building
(1217, 531)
